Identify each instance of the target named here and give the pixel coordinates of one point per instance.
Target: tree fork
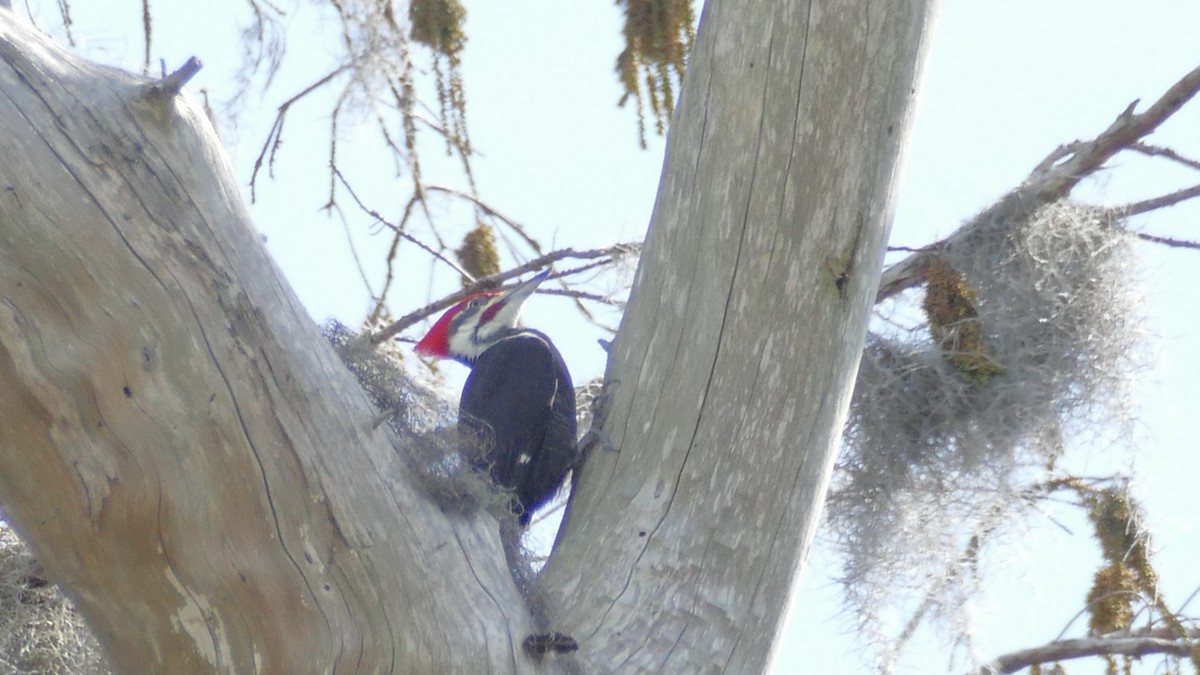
(188, 458)
(180, 448)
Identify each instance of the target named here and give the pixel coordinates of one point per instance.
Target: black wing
(520, 400)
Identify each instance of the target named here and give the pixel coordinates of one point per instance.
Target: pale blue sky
(1007, 82)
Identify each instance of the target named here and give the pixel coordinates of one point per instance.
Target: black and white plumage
(519, 401)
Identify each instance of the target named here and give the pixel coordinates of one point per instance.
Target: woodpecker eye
(477, 303)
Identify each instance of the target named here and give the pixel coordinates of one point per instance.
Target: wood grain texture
(179, 446)
(733, 369)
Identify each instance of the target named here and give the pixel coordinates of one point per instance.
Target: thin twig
(390, 258)
(1188, 601)
(575, 271)
(64, 8)
(494, 281)
(146, 32)
(275, 135)
(362, 272)
(487, 209)
(1167, 241)
(1148, 205)
(395, 228)
(1135, 644)
(331, 160)
(1162, 151)
(580, 295)
(1090, 606)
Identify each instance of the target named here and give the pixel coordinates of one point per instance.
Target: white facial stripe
(462, 342)
(469, 338)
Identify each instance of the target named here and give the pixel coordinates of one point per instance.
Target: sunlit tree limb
(1053, 178)
(1144, 643)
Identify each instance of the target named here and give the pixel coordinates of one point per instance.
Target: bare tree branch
(1148, 205)
(146, 32)
(396, 228)
(1056, 181)
(1141, 643)
(275, 135)
(519, 229)
(575, 271)
(64, 8)
(492, 282)
(1168, 241)
(1161, 151)
(580, 295)
(362, 272)
(263, 43)
(488, 210)
(1052, 179)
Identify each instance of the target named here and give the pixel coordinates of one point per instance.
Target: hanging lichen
(1110, 600)
(929, 458)
(1127, 581)
(477, 254)
(1128, 574)
(438, 24)
(950, 306)
(658, 37)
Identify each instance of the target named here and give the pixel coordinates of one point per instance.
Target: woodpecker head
(478, 322)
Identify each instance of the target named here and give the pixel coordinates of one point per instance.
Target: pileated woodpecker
(518, 402)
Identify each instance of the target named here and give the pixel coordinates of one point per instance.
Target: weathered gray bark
(736, 358)
(186, 456)
(178, 445)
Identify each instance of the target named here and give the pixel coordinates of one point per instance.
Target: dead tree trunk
(181, 449)
(735, 362)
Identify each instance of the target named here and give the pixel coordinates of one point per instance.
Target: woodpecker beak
(503, 311)
(517, 296)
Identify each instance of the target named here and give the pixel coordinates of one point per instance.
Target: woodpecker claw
(540, 644)
(384, 416)
(593, 437)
